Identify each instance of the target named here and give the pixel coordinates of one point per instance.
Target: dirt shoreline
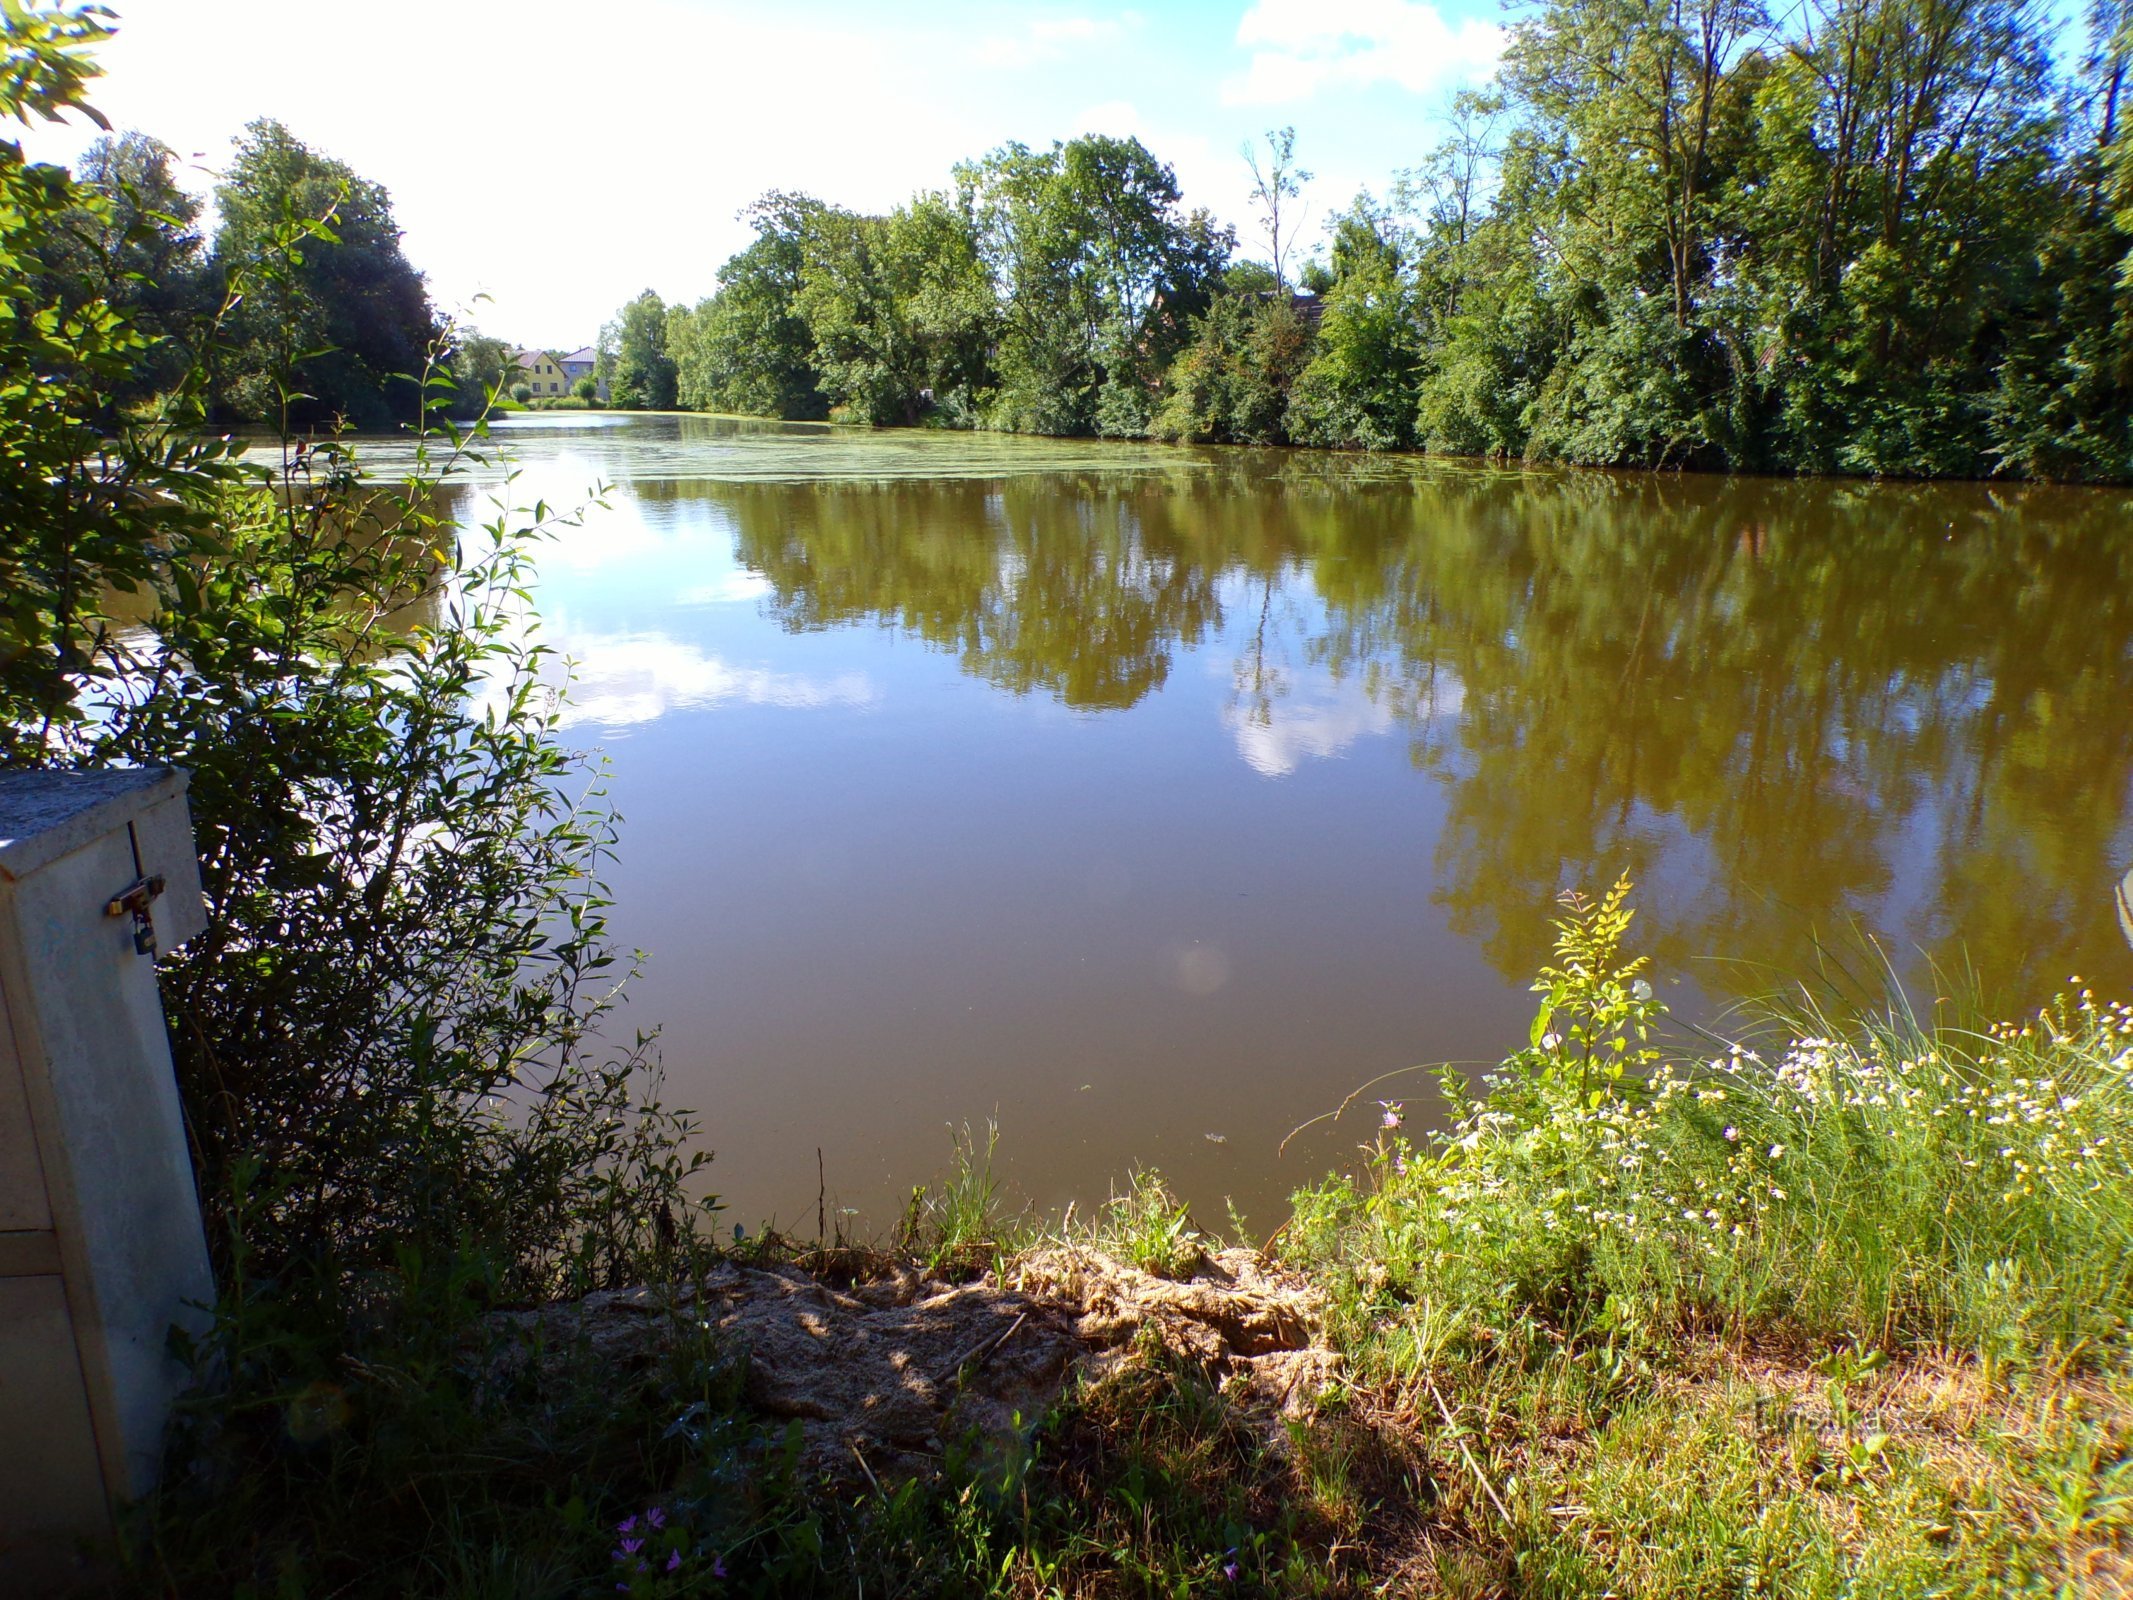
(885, 1367)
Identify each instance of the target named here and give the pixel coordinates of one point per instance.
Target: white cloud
(1121, 119)
(1302, 47)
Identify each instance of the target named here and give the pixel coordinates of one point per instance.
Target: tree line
(1863, 236)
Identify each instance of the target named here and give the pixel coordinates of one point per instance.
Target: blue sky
(559, 157)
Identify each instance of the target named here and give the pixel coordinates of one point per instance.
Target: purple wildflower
(1230, 1569)
(626, 1525)
(674, 1561)
(631, 1546)
(718, 1566)
(1393, 1113)
(656, 1517)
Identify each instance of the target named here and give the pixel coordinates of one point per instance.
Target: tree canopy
(351, 319)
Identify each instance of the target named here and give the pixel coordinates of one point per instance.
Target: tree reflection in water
(1764, 699)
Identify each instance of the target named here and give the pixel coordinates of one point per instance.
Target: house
(578, 363)
(542, 372)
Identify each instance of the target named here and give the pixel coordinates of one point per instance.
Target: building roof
(587, 356)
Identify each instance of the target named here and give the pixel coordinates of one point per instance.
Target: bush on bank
(387, 1039)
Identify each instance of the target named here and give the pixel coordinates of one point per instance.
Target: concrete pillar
(101, 1249)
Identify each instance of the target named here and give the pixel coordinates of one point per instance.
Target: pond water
(1149, 801)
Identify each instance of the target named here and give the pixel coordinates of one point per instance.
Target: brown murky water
(1151, 800)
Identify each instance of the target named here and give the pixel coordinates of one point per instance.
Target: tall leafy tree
(1911, 147)
(1358, 393)
(2064, 406)
(1099, 269)
(342, 311)
(747, 348)
(900, 308)
(132, 240)
(641, 375)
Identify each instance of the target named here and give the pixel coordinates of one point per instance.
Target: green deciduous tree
(1358, 393)
(1099, 268)
(633, 358)
(134, 243)
(341, 325)
(747, 348)
(901, 310)
(1231, 384)
(480, 367)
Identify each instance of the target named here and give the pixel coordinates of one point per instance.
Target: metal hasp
(101, 1249)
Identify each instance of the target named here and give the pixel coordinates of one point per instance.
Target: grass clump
(960, 1226)
(1838, 1308)
(1150, 1228)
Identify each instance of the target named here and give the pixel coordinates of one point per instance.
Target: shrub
(1358, 392)
(1231, 384)
(387, 1038)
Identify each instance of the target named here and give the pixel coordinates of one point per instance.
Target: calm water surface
(1151, 800)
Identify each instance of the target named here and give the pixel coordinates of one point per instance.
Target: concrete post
(101, 1249)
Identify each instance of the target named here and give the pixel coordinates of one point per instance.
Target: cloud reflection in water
(1320, 718)
(621, 680)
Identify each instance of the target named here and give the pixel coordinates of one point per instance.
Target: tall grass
(1839, 1307)
(1876, 1177)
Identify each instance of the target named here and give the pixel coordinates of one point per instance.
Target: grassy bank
(1838, 1308)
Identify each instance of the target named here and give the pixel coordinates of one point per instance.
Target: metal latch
(135, 897)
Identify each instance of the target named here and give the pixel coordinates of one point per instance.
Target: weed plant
(1878, 1179)
(1148, 1227)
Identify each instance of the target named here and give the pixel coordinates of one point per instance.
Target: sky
(549, 160)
